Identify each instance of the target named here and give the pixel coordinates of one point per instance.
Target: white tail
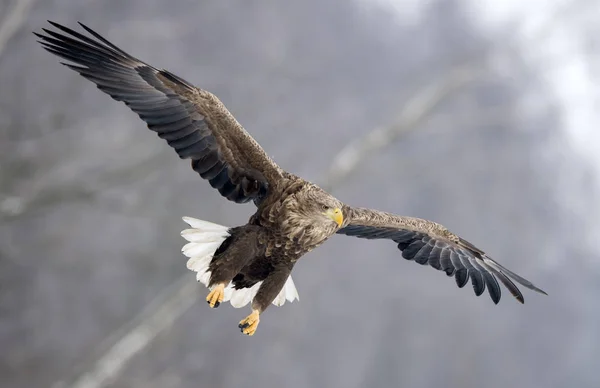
(204, 240)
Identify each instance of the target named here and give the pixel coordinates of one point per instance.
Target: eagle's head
(313, 215)
(328, 210)
(320, 206)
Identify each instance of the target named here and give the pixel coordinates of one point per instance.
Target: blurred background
(481, 115)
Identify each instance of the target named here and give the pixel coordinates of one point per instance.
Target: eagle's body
(253, 262)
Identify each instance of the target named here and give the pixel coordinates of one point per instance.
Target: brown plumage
(293, 216)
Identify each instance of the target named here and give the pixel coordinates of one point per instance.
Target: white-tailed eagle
(252, 263)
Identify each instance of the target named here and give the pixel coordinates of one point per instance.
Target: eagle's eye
(324, 207)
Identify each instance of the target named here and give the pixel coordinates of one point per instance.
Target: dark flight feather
(192, 121)
(427, 242)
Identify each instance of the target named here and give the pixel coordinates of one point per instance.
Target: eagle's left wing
(427, 242)
(194, 122)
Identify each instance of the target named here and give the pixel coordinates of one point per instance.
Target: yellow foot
(250, 323)
(215, 297)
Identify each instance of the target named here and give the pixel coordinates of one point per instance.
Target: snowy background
(490, 116)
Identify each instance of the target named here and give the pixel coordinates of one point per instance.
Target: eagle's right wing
(192, 121)
(427, 242)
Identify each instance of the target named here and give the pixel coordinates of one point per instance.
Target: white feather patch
(204, 239)
(198, 236)
(203, 277)
(280, 298)
(291, 293)
(240, 298)
(204, 225)
(201, 249)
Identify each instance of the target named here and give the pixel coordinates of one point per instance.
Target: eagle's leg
(230, 257)
(267, 292)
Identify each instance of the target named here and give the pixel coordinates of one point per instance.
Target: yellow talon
(215, 297)
(250, 323)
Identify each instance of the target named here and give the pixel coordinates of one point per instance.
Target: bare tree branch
(137, 334)
(414, 113)
(51, 194)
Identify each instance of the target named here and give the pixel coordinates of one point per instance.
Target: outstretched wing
(427, 242)
(192, 121)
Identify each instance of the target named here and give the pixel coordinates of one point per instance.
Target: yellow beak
(336, 215)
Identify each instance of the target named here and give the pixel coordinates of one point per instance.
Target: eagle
(252, 263)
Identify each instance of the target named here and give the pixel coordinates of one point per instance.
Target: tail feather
(204, 239)
(205, 226)
(280, 298)
(291, 292)
(201, 249)
(203, 277)
(199, 236)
